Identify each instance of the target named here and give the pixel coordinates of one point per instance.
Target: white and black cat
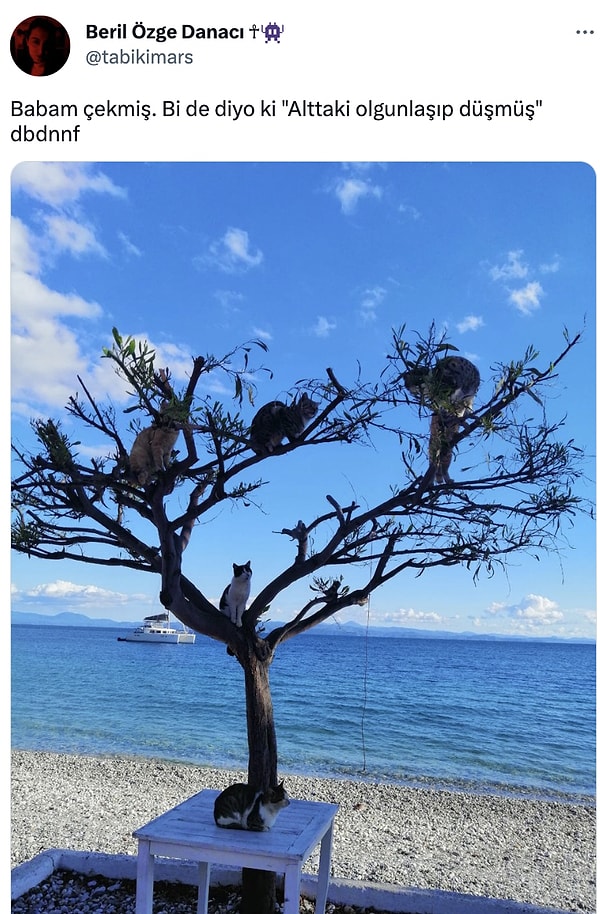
(276, 420)
(241, 806)
(235, 596)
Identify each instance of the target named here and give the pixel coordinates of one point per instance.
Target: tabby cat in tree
(442, 434)
(235, 596)
(275, 421)
(449, 388)
(151, 452)
(451, 384)
(241, 806)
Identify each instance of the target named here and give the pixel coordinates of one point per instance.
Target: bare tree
(517, 497)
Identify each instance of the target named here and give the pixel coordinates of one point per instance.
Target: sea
(501, 716)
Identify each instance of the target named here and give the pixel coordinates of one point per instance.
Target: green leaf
(238, 389)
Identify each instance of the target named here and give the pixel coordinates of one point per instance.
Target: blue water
(475, 714)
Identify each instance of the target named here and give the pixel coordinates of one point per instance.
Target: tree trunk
(258, 887)
(262, 742)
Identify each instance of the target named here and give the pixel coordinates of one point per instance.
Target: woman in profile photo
(40, 46)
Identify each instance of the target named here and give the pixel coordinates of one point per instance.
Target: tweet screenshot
(302, 408)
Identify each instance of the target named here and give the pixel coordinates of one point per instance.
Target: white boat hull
(155, 631)
(153, 637)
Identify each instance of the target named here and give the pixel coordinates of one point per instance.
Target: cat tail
(186, 533)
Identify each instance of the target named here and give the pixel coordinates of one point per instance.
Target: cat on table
(241, 806)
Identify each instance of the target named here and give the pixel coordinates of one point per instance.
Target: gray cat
(276, 420)
(241, 806)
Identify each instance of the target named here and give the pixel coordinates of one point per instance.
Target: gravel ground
(71, 893)
(528, 850)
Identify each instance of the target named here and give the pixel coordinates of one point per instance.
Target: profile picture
(40, 45)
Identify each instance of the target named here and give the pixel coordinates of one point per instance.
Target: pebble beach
(527, 850)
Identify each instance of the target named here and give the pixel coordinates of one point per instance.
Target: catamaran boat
(158, 630)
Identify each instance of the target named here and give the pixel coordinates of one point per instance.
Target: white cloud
(45, 352)
(552, 267)
(45, 357)
(237, 242)
(323, 327)
(402, 616)
(177, 358)
(405, 209)
(231, 253)
(470, 322)
(227, 300)
(61, 184)
(527, 299)
(66, 591)
(66, 234)
(23, 257)
(514, 268)
(262, 334)
(533, 611)
(49, 326)
(371, 299)
(93, 601)
(350, 190)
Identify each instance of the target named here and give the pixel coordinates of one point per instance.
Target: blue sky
(320, 261)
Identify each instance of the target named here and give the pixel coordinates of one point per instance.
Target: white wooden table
(188, 832)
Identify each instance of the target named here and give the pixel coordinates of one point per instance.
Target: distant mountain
(354, 629)
(76, 619)
(336, 629)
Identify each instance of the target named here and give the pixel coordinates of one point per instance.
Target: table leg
(144, 890)
(324, 870)
(203, 887)
(291, 888)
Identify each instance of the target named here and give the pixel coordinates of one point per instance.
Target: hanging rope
(365, 687)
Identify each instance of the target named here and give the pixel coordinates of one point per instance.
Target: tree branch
(517, 501)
